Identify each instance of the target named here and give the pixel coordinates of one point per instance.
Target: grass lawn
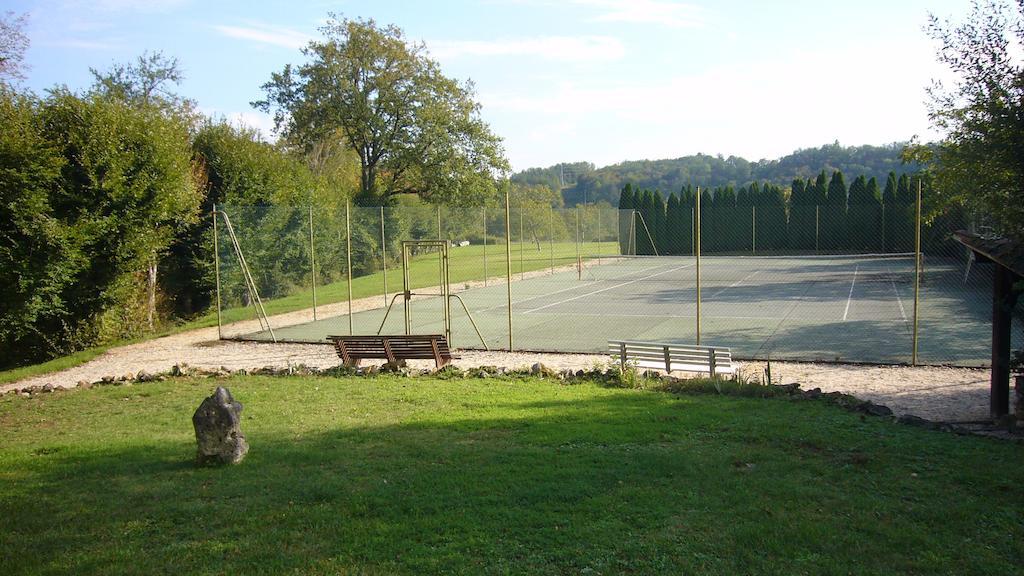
(466, 265)
(423, 476)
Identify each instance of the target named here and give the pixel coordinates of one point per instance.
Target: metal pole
(384, 254)
(483, 212)
(579, 265)
(348, 244)
(551, 237)
(522, 270)
(696, 251)
(508, 266)
(216, 268)
(598, 236)
(917, 271)
(312, 261)
(406, 289)
(438, 222)
(618, 231)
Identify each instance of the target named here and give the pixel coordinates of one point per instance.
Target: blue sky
(572, 80)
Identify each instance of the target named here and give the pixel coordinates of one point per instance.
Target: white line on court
(735, 284)
(575, 314)
(608, 288)
(505, 304)
(850, 297)
(892, 281)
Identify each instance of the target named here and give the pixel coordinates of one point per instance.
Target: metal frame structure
(444, 285)
(250, 284)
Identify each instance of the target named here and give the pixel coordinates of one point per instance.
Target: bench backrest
(669, 357)
(401, 347)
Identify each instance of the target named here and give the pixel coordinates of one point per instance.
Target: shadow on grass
(621, 481)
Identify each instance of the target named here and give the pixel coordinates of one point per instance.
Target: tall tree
(980, 162)
(659, 222)
(833, 214)
(415, 130)
(13, 45)
(627, 237)
(801, 226)
(864, 215)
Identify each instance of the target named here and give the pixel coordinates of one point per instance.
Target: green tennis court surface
(828, 308)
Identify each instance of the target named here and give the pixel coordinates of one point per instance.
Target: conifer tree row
(816, 215)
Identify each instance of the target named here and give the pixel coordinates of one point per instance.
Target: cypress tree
(644, 226)
(659, 232)
(686, 203)
(771, 218)
(626, 205)
(672, 225)
(901, 217)
(833, 214)
(707, 222)
(801, 216)
(864, 215)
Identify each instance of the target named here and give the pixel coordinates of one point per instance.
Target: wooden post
(622, 355)
(1003, 301)
(711, 361)
(668, 359)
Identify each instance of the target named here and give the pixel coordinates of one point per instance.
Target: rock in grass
(218, 430)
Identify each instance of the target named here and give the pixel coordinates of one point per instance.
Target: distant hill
(582, 181)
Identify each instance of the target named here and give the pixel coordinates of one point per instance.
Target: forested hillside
(582, 182)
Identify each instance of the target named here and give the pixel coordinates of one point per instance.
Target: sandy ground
(935, 393)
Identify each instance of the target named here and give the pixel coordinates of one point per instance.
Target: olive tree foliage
(414, 130)
(13, 44)
(980, 162)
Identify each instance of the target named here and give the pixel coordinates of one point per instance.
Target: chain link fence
(796, 282)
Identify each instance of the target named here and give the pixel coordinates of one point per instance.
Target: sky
(600, 81)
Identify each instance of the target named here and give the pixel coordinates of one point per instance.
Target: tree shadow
(623, 481)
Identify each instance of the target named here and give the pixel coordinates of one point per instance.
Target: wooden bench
(714, 360)
(352, 349)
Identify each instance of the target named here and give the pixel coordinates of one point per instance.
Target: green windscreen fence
(816, 283)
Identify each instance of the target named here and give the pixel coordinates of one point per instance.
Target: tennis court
(826, 308)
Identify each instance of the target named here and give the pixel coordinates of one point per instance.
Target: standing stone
(218, 430)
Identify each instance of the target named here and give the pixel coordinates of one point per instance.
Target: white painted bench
(714, 360)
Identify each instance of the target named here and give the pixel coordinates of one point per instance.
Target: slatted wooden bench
(352, 349)
(714, 360)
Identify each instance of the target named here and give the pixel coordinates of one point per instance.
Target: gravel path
(935, 393)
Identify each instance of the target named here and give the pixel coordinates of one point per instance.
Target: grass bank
(394, 475)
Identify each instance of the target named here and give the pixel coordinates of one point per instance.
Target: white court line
(588, 283)
(850, 297)
(892, 281)
(505, 304)
(575, 314)
(735, 284)
(608, 288)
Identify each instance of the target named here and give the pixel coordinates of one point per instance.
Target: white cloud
(560, 48)
(264, 34)
(755, 109)
(659, 12)
(144, 6)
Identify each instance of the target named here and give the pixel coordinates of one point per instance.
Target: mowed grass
(393, 475)
(467, 265)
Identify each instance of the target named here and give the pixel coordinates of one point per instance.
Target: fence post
(917, 271)
(598, 236)
(508, 264)
(438, 222)
(522, 243)
(312, 261)
(483, 211)
(696, 251)
(551, 237)
(579, 264)
(384, 255)
(216, 268)
(348, 257)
